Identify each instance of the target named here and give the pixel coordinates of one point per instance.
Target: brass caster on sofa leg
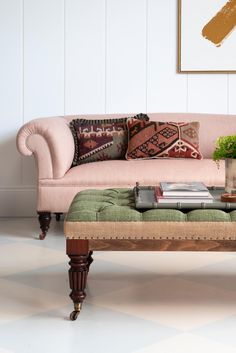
(75, 313)
(42, 236)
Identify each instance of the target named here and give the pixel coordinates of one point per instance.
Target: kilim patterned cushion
(152, 139)
(98, 140)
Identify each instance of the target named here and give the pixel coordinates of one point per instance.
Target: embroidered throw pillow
(153, 139)
(99, 140)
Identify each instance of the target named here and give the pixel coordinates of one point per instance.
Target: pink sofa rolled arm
(51, 142)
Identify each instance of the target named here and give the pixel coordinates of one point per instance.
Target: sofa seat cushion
(57, 194)
(121, 173)
(111, 214)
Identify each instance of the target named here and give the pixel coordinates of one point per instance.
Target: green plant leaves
(225, 148)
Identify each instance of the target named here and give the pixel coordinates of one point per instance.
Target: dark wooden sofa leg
(44, 221)
(78, 252)
(58, 216)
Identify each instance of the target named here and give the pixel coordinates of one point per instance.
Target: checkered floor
(142, 302)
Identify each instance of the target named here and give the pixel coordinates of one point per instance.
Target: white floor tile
(2, 350)
(19, 229)
(19, 257)
(166, 263)
(171, 301)
(18, 301)
(187, 343)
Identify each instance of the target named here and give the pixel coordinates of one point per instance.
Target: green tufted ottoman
(107, 220)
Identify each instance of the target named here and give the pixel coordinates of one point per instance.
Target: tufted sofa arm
(51, 142)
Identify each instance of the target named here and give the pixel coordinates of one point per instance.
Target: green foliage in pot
(225, 148)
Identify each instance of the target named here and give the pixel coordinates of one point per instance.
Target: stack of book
(193, 192)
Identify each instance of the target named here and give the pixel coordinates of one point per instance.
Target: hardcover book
(181, 199)
(184, 189)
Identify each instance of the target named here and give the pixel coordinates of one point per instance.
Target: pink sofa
(51, 142)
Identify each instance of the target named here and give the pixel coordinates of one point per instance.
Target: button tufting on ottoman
(111, 214)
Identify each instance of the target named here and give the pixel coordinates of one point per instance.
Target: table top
(145, 199)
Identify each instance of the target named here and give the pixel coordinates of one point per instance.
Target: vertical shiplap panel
(126, 56)
(84, 56)
(10, 90)
(166, 89)
(207, 93)
(43, 64)
(232, 94)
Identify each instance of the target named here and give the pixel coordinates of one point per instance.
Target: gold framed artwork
(207, 36)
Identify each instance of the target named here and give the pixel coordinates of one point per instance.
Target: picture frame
(206, 36)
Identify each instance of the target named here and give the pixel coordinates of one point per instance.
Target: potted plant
(226, 149)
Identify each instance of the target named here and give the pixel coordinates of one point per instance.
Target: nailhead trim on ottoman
(111, 214)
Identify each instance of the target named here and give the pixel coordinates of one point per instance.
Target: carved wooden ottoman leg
(78, 252)
(44, 221)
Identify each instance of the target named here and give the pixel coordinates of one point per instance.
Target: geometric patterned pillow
(153, 139)
(99, 140)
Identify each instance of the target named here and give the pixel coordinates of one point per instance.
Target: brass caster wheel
(42, 236)
(75, 313)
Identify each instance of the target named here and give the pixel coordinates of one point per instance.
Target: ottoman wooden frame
(80, 254)
(84, 237)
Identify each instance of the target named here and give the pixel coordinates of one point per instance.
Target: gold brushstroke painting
(207, 36)
(222, 24)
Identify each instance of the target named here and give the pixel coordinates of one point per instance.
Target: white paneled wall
(231, 94)
(90, 56)
(126, 56)
(166, 90)
(43, 56)
(85, 56)
(10, 90)
(208, 93)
